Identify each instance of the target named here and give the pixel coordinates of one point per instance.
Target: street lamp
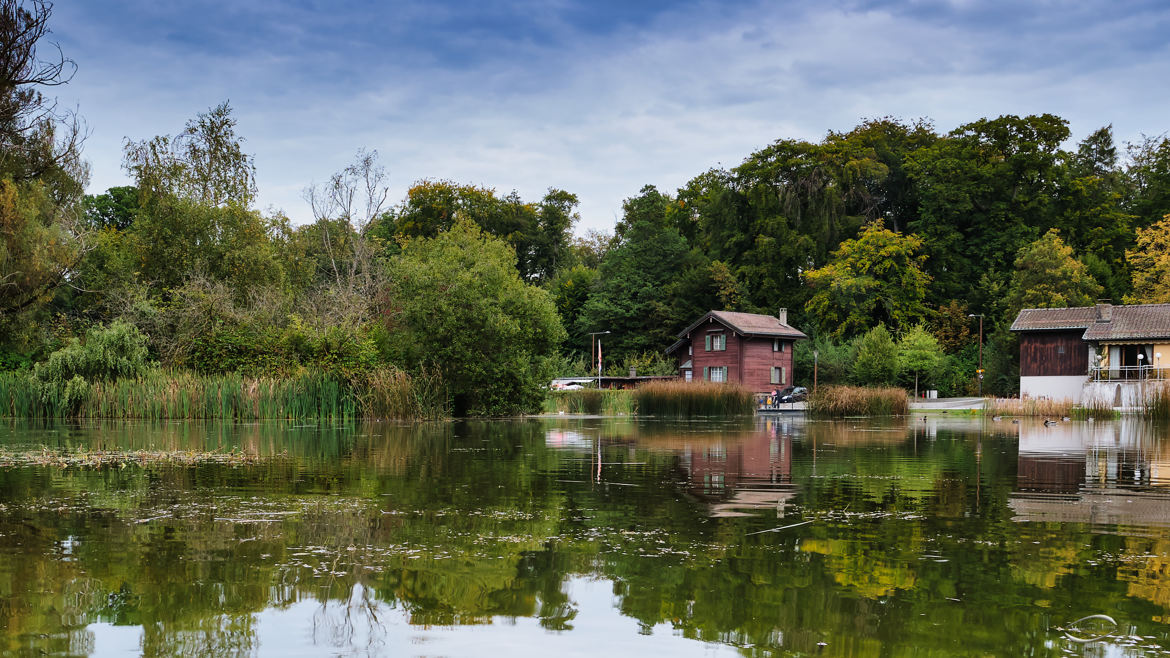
(980, 370)
(596, 356)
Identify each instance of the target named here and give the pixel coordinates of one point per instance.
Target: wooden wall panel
(1053, 353)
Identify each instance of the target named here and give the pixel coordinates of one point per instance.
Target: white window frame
(779, 376)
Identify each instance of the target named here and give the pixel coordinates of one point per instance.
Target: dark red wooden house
(752, 349)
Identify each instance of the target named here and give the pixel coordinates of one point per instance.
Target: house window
(715, 373)
(778, 375)
(716, 342)
(687, 375)
(777, 345)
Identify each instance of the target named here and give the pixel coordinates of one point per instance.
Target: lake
(587, 536)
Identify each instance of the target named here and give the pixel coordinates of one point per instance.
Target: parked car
(798, 394)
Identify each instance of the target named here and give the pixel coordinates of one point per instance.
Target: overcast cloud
(598, 98)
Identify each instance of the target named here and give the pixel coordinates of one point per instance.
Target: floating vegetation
(841, 401)
(124, 458)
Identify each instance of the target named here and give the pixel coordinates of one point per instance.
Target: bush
(839, 401)
(108, 353)
(877, 358)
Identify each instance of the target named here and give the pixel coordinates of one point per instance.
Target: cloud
(595, 99)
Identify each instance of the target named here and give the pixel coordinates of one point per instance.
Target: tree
(42, 176)
(919, 353)
(570, 289)
(877, 358)
(205, 163)
(1150, 262)
(455, 303)
(876, 278)
(1047, 276)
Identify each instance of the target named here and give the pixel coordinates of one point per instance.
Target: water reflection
(570, 535)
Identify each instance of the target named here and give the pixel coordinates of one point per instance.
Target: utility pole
(980, 370)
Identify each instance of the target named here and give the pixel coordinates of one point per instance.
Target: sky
(597, 97)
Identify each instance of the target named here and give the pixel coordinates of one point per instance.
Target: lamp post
(980, 370)
(596, 355)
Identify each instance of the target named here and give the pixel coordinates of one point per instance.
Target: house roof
(1102, 322)
(1132, 323)
(748, 324)
(1051, 319)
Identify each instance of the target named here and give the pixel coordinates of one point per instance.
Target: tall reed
(686, 399)
(609, 402)
(1043, 408)
(839, 401)
(1157, 403)
(184, 395)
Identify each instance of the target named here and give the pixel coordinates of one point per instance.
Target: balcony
(1128, 373)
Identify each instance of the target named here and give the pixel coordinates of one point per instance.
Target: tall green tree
(877, 278)
(1150, 260)
(919, 354)
(876, 363)
(1048, 276)
(456, 304)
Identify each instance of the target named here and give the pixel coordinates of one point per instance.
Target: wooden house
(1064, 349)
(752, 349)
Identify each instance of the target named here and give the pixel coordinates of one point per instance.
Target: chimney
(633, 371)
(782, 316)
(1104, 311)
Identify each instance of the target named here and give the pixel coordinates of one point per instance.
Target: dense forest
(888, 244)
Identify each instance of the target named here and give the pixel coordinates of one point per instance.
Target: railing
(1128, 373)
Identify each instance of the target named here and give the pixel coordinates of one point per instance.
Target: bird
(1065, 418)
(1049, 423)
(997, 417)
(1015, 421)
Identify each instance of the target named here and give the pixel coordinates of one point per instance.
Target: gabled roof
(1139, 321)
(748, 324)
(1102, 322)
(1052, 319)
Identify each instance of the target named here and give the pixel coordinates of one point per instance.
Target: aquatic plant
(1038, 407)
(1157, 403)
(686, 399)
(838, 401)
(608, 402)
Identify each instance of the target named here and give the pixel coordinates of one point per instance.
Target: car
(797, 394)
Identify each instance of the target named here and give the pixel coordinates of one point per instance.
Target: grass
(609, 402)
(184, 395)
(682, 399)
(840, 401)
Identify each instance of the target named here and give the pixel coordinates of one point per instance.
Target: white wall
(1056, 388)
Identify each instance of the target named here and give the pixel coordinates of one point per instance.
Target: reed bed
(184, 395)
(840, 401)
(1157, 403)
(687, 399)
(1040, 408)
(608, 402)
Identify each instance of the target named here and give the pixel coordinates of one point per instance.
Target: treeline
(891, 227)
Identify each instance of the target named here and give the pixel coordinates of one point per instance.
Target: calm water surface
(593, 536)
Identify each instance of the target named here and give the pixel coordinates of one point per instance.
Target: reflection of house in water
(736, 475)
(1101, 473)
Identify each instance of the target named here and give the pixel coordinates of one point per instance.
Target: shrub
(839, 401)
(108, 353)
(877, 358)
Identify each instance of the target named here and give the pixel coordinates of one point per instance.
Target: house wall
(1053, 354)
(749, 360)
(1066, 387)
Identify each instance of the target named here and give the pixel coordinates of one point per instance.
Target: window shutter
(708, 347)
(706, 373)
(783, 376)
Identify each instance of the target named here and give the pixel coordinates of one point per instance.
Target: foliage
(106, 354)
(919, 354)
(205, 164)
(877, 362)
(570, 289)
(592, 401)
(841, 401)
(1150, 261)
(876, 278)
(951, 326)
(1047, 276)
(644, 364)
(456, 304)
(690, 399)
(833, 362)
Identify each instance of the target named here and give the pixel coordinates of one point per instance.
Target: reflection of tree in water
(477, 523)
